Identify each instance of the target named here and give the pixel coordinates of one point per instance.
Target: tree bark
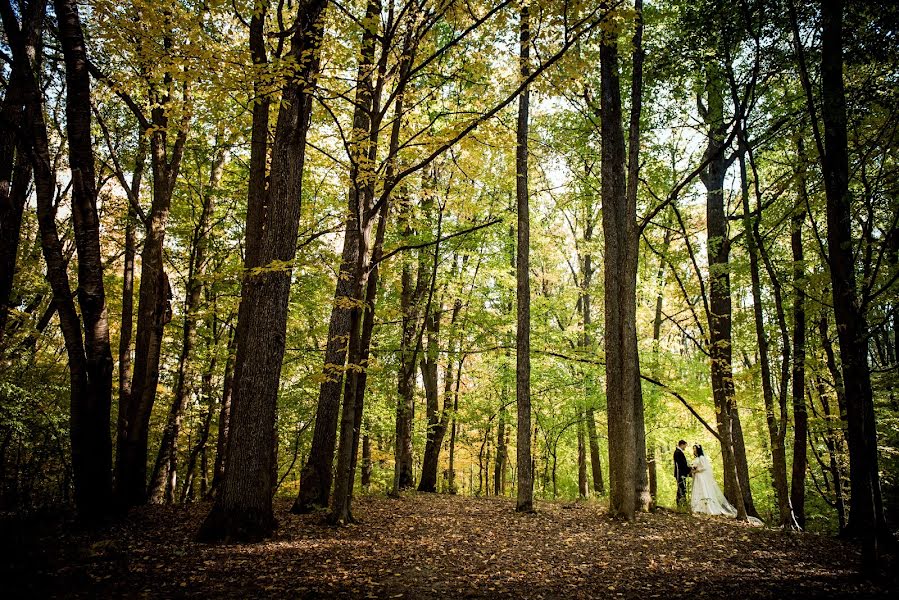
(499, 461)
(800, 414)
(86, 337)
(437, 422)
(720, 312)
(243, 510)
(358, 377)
(587, 343)
(619, 228)
(581, 457)
(154, 309)
(410, 300)
(315, 479)
(455, 426)
(15, 173)
(524, 458)
(126, 328)
(598, 484)
(91, 443)
(776, 427)
(643, 497)
(866, 505)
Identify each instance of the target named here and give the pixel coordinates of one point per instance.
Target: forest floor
(427, 546)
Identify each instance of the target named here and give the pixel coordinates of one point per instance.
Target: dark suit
(681, 472)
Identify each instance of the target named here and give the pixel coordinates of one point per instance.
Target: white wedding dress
(707, 497)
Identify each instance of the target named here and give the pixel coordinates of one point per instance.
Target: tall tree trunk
(154, 295)
(410, 300)
(720, 312)
(524, 458)
(866, 506)
(619, 228)
(88, 350)
(587, 343)
(15, 174)
(163, 480)
(315, 479)
(91, 443)
(455, 426)
(437, 422)
(642, 496)
(753, 243)
(126, 328)
(800, 414)
(428, 367)
(358, 377)
(243, 510)
(258, 196)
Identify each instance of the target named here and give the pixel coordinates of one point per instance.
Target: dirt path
(427, 546)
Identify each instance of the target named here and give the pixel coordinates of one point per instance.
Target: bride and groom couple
(706, 496)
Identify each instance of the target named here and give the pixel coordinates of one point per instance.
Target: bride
(707, 498)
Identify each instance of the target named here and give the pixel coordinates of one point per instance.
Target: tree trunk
(91, 443)
(434, 436)
(437, 422)
(410, 299)
(126, 328)
(162, 482)
(499, 464)
(866, 507)
(224, 420)
(455, 426)
(243, 510)
(587, 342)
(315, 479)
(366, 459)
(778, 451)
(15, 174)
(358, 377)
(619, 228)
(720, 313)
(88, 350)
(800, 414)
(581, 457)
(642, 496)
(154, 295)
(598, 484)
(524, 458)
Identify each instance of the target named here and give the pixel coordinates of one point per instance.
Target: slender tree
(524, 463)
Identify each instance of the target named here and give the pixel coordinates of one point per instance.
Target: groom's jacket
(681, 467)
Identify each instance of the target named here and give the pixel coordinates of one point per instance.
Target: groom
(681, 472)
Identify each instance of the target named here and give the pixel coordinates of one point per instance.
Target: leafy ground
(425, 546)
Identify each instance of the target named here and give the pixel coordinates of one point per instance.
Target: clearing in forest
(428, 546)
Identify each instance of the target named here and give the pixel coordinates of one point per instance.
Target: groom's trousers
(681, 490)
